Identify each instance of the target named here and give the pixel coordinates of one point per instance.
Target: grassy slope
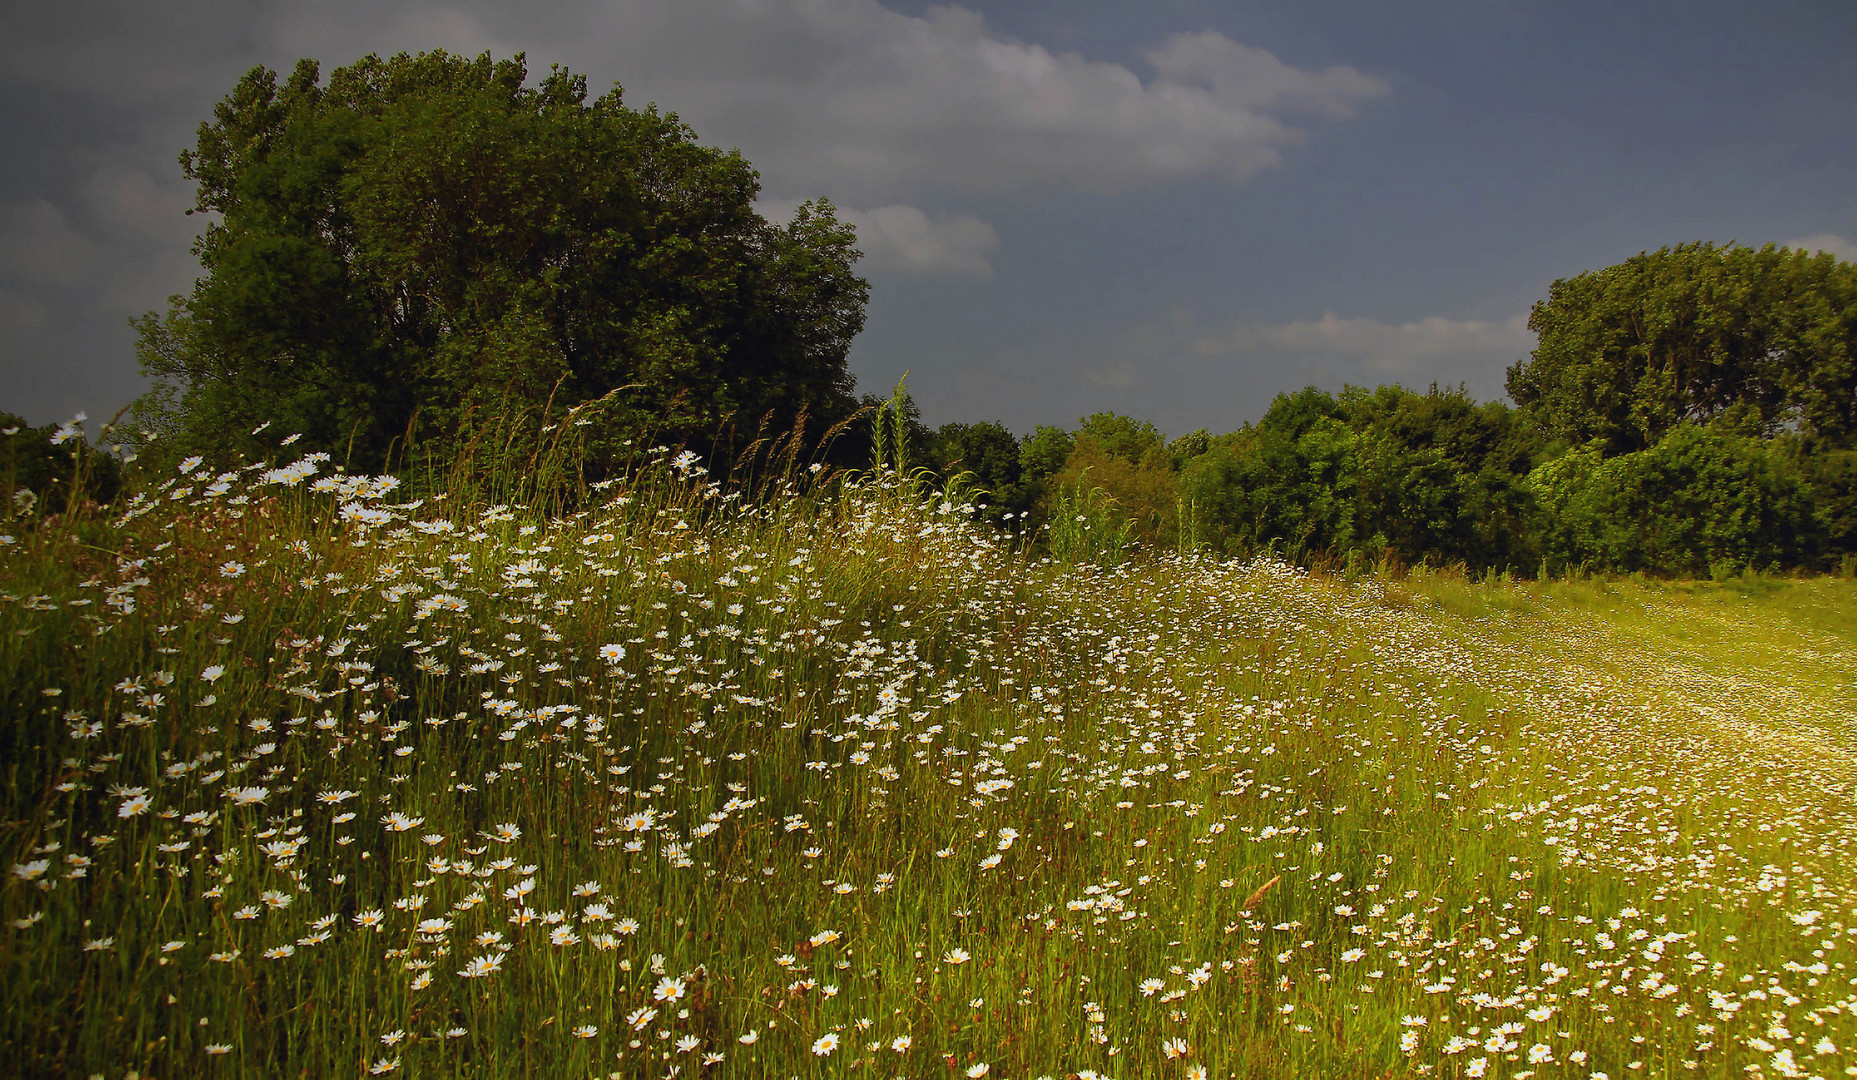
(868, 790)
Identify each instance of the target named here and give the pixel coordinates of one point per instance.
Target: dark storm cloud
(885, 112)
(1176, 210)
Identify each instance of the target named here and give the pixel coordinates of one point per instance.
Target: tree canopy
(425, 240)
(1761, 339)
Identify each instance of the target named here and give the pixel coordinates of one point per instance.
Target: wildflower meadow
(798, 772)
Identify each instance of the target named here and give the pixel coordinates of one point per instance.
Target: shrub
(1694, 499)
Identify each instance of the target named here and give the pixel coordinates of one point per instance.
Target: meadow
(805, 774)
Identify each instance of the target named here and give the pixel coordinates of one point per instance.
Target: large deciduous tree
(431, 237)
(1765, 339)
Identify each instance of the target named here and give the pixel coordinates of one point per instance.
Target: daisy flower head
(825, 1044)
(669, 989)
(612, 653)
(398, 822)
(479, 967)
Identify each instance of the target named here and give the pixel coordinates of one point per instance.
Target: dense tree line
(1431, 477)
(1688, 411)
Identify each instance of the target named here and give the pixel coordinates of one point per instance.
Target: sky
(1170, 209)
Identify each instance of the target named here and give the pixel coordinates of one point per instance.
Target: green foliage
(1688, 333)
(990, 454)
(1113, 468)
(895, 431)
(1189, 446)
(1694, 501)
(42, 469)
(1134, 476)
(1087, 526)
(892, 423)
(425, 241)
(1831, 476)
(424, 245)
(1430, 477)
(1044, 452)
(1122, 436)
(1042, 455)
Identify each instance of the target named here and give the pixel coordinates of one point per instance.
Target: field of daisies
(809, 776)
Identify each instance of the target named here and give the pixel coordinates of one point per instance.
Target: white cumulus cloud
(1245, 77)
(1830, 243)
(905, 240)
(897, 237)
(1429, 349)
(872, 105)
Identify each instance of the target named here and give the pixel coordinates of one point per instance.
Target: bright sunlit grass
(306, 778)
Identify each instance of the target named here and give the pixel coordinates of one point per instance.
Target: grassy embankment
(829, 781)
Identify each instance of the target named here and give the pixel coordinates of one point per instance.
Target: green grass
(863, 788)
